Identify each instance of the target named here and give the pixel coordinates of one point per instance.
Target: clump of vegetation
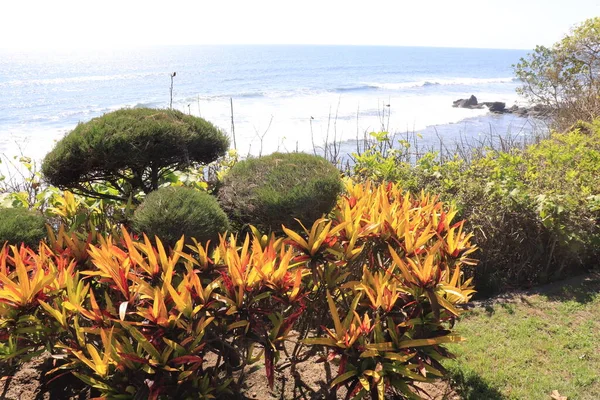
(565, 76)
(131, 151)
(534, 212)
(171, 212)
(272, 191)
(375, 290)
(19, 225)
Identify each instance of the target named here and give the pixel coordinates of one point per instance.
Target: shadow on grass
(583, 289)
(471, 386)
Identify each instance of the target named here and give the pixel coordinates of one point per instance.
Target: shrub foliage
(171, 212)
(131, 150)
(566, 75)
(271, 191)
(535, 212)
(375, 289)
(19, 225)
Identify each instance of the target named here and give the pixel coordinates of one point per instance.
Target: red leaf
(186, 360)
(133, 357)
(270, 368)
(352, 202)
(342, 367)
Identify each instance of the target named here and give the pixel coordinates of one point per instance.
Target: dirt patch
(25, 383)
(308, 380)
(29, 382)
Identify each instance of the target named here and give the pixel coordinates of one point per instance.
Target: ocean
(284, 97)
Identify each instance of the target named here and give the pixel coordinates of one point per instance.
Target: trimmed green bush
(131, 150)
(19, 225)
(174, 211)
(271, 191)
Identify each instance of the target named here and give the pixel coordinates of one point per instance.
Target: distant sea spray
(364, 87)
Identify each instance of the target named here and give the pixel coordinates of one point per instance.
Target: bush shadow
(471, 386)
(581, 289)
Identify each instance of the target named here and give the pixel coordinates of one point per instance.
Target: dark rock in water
(539, 107)
(499, 107)
(459, 103)
(496, 106)
(540, 110)
(520, 111)
(471, 102)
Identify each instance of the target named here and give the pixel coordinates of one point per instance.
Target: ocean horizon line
(125, 46)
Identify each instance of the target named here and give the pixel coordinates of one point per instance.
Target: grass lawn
(531, 344)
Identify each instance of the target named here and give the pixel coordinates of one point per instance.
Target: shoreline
(470, 129)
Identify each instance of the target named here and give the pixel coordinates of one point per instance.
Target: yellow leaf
(334, 315)
(296, 238)
(364, 382)
(430, 342)
(320, 341)
(341, 378)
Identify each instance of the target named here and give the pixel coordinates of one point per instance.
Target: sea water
(283, 98)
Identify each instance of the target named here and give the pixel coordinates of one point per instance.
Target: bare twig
(262, 137)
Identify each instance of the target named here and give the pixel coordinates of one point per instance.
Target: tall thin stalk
(232, 124)
(171, 100)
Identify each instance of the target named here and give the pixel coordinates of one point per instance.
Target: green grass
(531, 345)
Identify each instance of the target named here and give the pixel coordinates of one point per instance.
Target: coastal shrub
(533, 211)
(374, 292)
(271, 191)
(171, 212)
(19, 225)
(565, 76)
(131, 151)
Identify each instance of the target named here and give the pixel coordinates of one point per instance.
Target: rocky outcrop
(537, 111)
(471, 102)
(498, 107)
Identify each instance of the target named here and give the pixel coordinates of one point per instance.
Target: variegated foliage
(376, 288)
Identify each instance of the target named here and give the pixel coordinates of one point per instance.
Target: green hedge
(172, 212)
(19, 225)
(272, 191)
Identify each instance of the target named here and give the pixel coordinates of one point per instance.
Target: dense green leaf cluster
(271, 191)
(565, 76)
(535, 212)
(132, 150)
(19, 225)
(171, 212)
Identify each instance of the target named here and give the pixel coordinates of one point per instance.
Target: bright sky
(460, 23)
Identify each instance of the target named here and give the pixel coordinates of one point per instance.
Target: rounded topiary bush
(19, 225)
(174, 211)
(131, 150)
(271, 191)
